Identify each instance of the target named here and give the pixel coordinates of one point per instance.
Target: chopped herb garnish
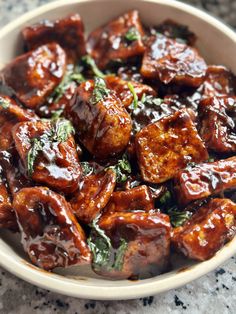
(150, 100)
(132, 34)
(70, 76)
(87, 168)
(37, 146)
(135, 97)
(100, 244)
(4, 103)
(178, 218)
(57, 114)
(165, 198)
(100, 91)
(101, 247)
(119, 255)
(60, 131)
(122, 169)
(89, 61)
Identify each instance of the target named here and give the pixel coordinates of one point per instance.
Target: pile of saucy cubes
(116, 150)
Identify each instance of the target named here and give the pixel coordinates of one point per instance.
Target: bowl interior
(217, 44)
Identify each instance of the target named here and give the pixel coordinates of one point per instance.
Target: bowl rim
(126, 289)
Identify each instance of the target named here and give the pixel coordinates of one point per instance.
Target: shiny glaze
(122, 90)
(53, 105)
(67, 32)
(148, 237)
(93, 195)
(136, 199)
(50, 233)
(167, 146)
(103, 128)
(9, 158)
(58, 165)
(217, 119)
(38, 72)
(207, 231)
(156, 146)
(219, 81)
(205, 179)
(170, 61)
(107, 43)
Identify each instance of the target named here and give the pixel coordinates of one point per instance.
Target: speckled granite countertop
(213, 293)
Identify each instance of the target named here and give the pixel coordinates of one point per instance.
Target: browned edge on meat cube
(50, 233)
(205, 179)
(213, 225)
(165, 147)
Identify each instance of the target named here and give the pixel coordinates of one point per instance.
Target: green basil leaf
(4, 103)
(89, 61)
(60, 131)
(100, 91)
(178, 218)
(122, 169)
(132, 34)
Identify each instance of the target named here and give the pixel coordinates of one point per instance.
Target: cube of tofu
(7, 215)
(50, 233)
(103, 124)
(140, 241)
(48, 152)
(165, 147)
(217, 120)
(68, 32)
(136, 199)
(93, 195)
(38, 72)
(118, 39)
(205, 179)
(170, 61)
(219, 81)
(121, 88)
(213, 225)
(10, 115)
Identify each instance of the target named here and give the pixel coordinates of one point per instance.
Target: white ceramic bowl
(217, 44)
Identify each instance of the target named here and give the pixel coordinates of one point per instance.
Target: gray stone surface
(214, 293)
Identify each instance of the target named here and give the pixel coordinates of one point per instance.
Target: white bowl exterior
(217, 44)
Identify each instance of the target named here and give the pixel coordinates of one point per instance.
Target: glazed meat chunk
(67, 32)
(50, 233)
(207, 231)
(122, 89)
(34, 75)
(136, 199)
(119, 39)
(167, 146)
(175, 30)
(137, 245)
(170, 61)
(102, 123)
(205, 179)
(217, 118)
(219, 81)
(48, 151)
(7, 215)
(93, 195)
(10, 114)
